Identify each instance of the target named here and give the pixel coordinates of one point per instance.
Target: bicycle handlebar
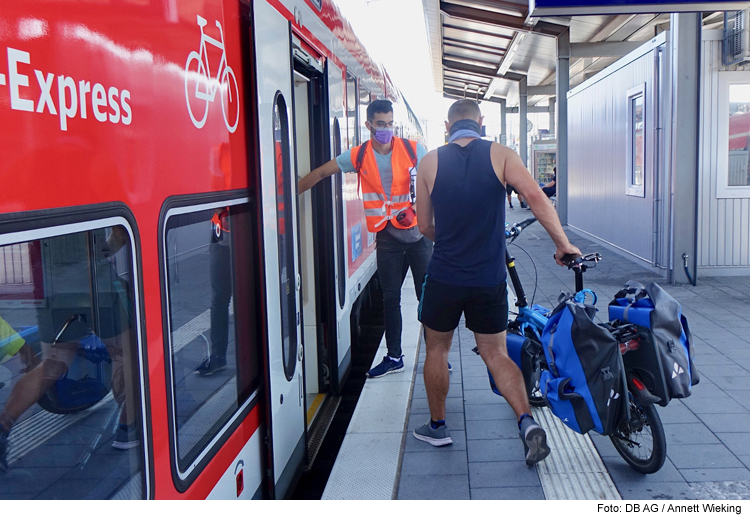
(512, 233)
(580, 262)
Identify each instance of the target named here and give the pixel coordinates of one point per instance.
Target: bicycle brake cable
(536, 273)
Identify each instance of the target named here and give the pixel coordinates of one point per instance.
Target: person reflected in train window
(386, 168)
(61, 344)
(460, 200)
(12, 344)
(39, 377)
(221, 293)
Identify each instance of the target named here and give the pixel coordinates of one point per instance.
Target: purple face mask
(383, 135)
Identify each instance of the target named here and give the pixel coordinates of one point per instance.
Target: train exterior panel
(173, 317)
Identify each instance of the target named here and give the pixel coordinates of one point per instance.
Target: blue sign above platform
(539, 8)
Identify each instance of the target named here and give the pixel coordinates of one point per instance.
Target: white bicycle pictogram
(205, 86)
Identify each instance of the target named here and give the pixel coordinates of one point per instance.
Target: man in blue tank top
(461, 207)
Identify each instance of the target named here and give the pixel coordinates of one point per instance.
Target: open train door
(285, 387)
(337, 122)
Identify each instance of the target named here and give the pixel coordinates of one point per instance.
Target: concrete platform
(708, 434)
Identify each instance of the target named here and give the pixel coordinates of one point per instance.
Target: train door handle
(301, 391)
(300, 353)
(299, 282)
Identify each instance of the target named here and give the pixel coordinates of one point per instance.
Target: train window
(338, 190)
(636, 142)
(213, 353)
(71, 410)
(364, 100)
(351, 111)
(284, 196)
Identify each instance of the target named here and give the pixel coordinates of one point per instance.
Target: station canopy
(480, 49)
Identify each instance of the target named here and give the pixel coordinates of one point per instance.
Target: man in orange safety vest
(386, 167)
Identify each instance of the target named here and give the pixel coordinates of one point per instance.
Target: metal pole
(686, 67)
(562, 86)
(503, 125)
(523, 134)
(552, 115)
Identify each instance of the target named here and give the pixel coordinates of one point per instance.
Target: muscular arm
(324, 171)
(425, 180)
(514, 173)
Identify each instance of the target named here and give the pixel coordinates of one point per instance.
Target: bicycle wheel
(536, 398)
(230, 102)
(641, 442)
(532, 371)
(197, 100)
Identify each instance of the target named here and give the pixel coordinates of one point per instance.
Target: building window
(733, 165)
(71, 409)
(213, 355)
(636, 142)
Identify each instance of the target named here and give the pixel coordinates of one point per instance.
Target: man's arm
(425, 180)
(517, 175)
(324, 171)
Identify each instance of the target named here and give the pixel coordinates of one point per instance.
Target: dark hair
(379, 106)
(464, 109)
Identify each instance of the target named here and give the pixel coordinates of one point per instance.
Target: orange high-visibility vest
(378, 209)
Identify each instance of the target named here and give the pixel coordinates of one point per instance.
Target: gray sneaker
(437, 437)
(534, 441)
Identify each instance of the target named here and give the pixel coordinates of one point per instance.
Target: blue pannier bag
(584, 384)
(521, 350)
(653, 308)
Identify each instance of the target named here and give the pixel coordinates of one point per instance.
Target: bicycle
(205, 86)
(639, 438)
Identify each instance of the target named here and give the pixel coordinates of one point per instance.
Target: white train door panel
(337, 120)
(285, 391)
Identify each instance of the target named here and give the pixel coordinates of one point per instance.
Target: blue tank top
(469, 204)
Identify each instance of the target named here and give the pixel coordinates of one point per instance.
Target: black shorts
(509, 189)
(486, 308)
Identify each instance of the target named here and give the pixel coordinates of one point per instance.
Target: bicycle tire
(532, 379)
(536, 398)
(644, 447)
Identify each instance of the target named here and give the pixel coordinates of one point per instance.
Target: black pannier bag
(659, 316)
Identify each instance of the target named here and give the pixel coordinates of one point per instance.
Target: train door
(285, 383)
(310, 134)
(318, 243)
(337, 121)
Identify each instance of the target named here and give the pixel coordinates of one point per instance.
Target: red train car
(175, 322)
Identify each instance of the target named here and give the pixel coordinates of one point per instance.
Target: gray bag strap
(410, 151)
(361, 156)
(551, 362)
(633, 291)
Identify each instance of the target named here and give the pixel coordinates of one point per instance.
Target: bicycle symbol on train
(203, 87)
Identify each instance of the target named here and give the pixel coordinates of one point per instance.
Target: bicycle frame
(526, 315)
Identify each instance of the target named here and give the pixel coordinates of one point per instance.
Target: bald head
(464, 109)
